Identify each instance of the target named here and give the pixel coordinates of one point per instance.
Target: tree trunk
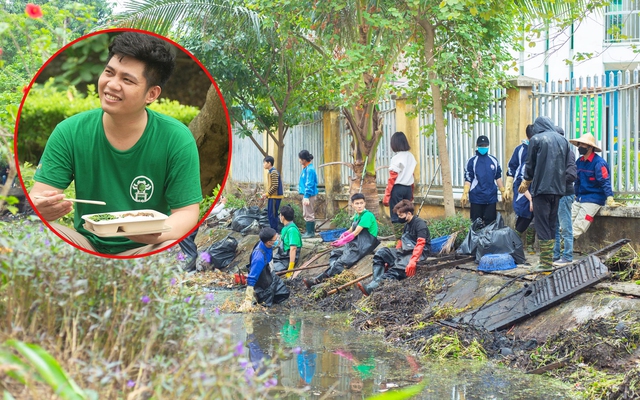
(369, 188)
(211, 130)
(438, 112)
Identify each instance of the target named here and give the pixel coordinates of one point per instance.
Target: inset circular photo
(122, 139)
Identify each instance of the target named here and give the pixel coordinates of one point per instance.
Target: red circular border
(213, 82)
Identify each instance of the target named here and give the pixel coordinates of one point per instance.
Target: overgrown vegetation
(116, 326)
(443, 227)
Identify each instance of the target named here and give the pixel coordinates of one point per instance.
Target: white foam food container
(127, 222)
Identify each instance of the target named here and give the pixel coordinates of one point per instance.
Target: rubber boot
(314, 281)
(546, 255)
(310, 230)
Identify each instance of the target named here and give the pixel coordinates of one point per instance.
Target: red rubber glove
(346, 239)
(387, 192)
(415, 256)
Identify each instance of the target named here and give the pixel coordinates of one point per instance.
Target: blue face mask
(483, 150)
(275, 244)
(525, 142)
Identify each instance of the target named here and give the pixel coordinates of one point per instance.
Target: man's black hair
(399, 142)
(270, 160)
(357, 196)
(156, 54)
(266, 234)
(529, 131)
(287, 212)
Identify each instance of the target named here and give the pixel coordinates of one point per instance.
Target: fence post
(519, 113)
(410, 125)
(331, 136)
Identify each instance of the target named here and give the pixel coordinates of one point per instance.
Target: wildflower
(244, 363)
(28, 235)
(145, 299)
(47, 242)
(271, 382)
(131, 383)
(202, 311)
(188, 299)
(209, 296)
(180, 256)
(173, 281)
(239, 349)
(33, 11)
(41, 227)
(203, 376)
(296, 350)
(216, 311)
(205, 257)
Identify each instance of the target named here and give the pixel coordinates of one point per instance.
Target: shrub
(116, 326)
(47, 106)
(342, 219)
(446, 226)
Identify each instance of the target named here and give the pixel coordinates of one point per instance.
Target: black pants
(398, 193)
(273, 205)
(522, 224)
(487, 212)
(546, 208)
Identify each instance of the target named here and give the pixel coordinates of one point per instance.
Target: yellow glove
(612, 203)
(524, 186)
(291, 266)
(248, 300)
(507, 193)
(465, 196)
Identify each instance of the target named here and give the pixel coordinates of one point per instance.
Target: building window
(622, 21)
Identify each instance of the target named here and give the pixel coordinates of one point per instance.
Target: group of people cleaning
(563, 193)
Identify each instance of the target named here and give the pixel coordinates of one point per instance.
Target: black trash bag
(252, 229)
(244, 217)
(223, 252)
(280, 260)
(348, 255)
(264, 218)
(470, 243)
(500, 241)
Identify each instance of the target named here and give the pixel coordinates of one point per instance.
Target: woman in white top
(400, 184)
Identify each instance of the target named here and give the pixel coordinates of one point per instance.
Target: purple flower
(239, 349)
(202, 311)
(209, 296)
(28, 235)
(180, 257)
(187, 300)
(173, 281)
(244, 363)
(145, 299)
(131, 383)
(205, 257)
(296, 350)
(41, 228)
(216, 311)
(47, 242)
(203, 376)
(271, 382)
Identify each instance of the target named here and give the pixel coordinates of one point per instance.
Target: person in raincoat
(413, 247)
(545, 176)
(262, 283)
(287, 253)
(358, 241)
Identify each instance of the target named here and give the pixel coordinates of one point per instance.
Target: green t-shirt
(290, 236)
(160, 172)
(367, 220)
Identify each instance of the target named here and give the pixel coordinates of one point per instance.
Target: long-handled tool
(310, 261)
(424, 197)
(346, 285)
(301, 269)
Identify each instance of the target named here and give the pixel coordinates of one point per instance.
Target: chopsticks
(99, 203)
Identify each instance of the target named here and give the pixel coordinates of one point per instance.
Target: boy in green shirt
(286, 256)
(360, 240)
(124, 154)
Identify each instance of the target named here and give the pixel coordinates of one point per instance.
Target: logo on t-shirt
(141, 189)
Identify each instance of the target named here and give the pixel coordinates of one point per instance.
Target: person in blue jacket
(592, 187)
(308, 188)
(481, 175)
(262, 282)
(522, 203)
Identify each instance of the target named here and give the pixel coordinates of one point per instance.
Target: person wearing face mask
(262, 283)
(286, 255)
(413, 247)
(481, 175)
(522, 203)
(592, 187)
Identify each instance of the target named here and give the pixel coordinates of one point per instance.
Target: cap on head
(482, 141)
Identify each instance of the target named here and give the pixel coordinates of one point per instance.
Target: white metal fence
(606, 106)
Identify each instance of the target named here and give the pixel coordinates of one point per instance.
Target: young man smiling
(123, 153)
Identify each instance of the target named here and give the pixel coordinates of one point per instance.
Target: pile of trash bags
(495, 238)
(249, 220)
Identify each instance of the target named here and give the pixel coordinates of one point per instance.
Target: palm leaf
(165, 16)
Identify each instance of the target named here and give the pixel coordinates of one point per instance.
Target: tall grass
(119, 328)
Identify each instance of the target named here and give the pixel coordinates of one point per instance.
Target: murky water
(334, 361)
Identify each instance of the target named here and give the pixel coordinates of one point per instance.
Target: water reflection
(326, 358)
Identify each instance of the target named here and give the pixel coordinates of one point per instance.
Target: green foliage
(207, 202)
(46, 106)
(442, 347)
(401, 394)
(443, 227)
(235, 202)
(342, 219)
(297, 215)
(385, 230)
(114, 325)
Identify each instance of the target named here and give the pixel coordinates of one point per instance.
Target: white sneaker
(562, 262)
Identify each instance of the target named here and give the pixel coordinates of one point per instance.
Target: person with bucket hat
(593, 185)
(481, 175)
(545, 176)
